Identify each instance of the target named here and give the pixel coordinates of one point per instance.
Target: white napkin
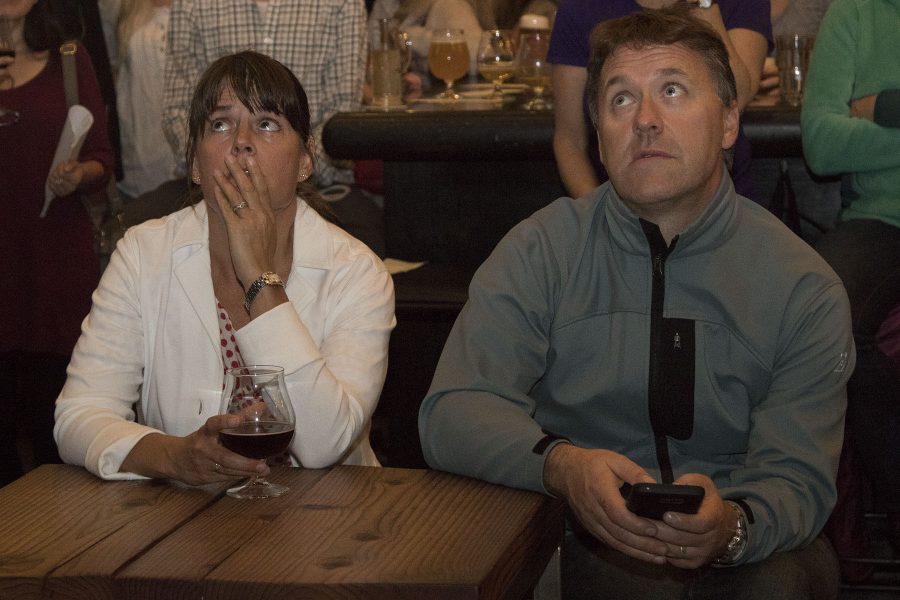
(395, 265)
(78, 123)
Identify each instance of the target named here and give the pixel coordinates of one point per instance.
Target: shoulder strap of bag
(105, 207)
(70, 72)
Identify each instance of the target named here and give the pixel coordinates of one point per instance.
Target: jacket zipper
(660, 252)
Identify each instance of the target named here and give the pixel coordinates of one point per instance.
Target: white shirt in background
(147, 158)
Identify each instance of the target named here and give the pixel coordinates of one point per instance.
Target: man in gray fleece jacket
(660, 329)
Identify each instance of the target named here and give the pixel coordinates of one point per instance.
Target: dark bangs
(259, 82)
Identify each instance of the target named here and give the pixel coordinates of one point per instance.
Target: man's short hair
(669, 26)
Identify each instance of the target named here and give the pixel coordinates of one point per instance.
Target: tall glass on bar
(448, 58)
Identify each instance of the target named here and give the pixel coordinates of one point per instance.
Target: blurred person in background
(135, 32)
(49, 265)
(743, 25)
(851, 125)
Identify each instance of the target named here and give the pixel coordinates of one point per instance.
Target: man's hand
(770, 83)
(589, 481)
(696, 540)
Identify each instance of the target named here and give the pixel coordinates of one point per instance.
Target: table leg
(549, 586)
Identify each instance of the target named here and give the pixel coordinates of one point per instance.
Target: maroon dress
(48, 268)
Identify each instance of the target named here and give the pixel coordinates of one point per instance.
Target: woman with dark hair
(250, 274)
(47, 264)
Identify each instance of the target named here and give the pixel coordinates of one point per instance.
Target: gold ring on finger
(239, 206)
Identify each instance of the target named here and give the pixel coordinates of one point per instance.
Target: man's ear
(731, 120)
(599, 145)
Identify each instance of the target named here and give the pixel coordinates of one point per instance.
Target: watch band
(738, 543)
(267, 278)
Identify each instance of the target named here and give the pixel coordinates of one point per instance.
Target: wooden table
(345, 532)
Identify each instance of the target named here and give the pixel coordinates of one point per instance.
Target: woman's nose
(243, 140)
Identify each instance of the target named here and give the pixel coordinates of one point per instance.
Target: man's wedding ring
(218, 467)
(239, 206)
(683, 550)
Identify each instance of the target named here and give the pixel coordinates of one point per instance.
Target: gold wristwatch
(267, 278)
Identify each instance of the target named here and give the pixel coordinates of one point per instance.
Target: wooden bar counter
(455, 181)
(508, 134)
(344, 532)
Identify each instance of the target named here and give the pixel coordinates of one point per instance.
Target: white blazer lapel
(311, 251)
(192, 269)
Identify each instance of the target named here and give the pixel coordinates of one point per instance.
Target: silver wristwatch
(738, 543)
(267, 278)
(704, 3)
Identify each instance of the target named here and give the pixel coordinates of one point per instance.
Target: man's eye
(218, 125)
(621, 100)
(672, 90)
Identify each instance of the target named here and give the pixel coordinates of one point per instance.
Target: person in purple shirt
(743, 25)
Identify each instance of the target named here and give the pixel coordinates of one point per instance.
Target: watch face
(272, 279)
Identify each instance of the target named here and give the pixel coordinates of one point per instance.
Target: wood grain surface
(66, 532)
(345, 532)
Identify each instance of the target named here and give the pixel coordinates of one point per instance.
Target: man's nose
(647, 118)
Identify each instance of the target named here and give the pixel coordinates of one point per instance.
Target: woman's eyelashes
(262, 123)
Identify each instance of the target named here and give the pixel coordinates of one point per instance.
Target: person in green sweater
(851, 126)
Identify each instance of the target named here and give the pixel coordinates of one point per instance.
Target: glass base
(257, 488)
(537, 102)
(449, 93)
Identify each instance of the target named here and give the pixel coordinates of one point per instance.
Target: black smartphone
(652, 500)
